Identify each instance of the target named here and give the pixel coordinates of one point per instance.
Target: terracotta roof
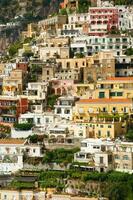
(12, 141)
(120, 78)
(104, 100)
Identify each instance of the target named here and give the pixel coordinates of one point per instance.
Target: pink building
(62, 87)
(102, 20)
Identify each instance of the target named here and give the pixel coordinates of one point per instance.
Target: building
(69, 4)
(52, 23)
(123, 157)
(91, 44)
(12, 107)
(14, 83)
(11, 155)
(97, 153)
(99, 66)
(64, 107)
(103, 20)
(101, 128)
(36, 93)
(114, 87)
(12, 194)
(48, 71)
(90, 109)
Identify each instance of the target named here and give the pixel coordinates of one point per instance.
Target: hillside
(28, 8)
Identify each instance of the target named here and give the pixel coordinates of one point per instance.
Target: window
(68, 64)
(117, 156)
(125, 157)
(109, 126)
(47, 120)
(112, 94)
(101, 160)
(108, 133)
(104, 109)
(58, 110)
(83, 144)
(99, 133)
(101, 95)
(34, 150)
(38, 121)
(119, 94)
(101, 126)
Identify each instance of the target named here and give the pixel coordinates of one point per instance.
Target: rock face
(31, 10)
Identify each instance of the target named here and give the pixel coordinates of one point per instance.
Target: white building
(79, 18)
(36, 93)
(91, 44)
(11, 155)
(12, 151)
(8, 68)
(89, 147)
(64, 107)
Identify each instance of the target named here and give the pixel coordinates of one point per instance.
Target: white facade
(8, 68)
(78, 18)
(39, 120)
(6, 194)
(20, 134)
(37, 90)
(64, 107)
(92, 44)
(11, 154)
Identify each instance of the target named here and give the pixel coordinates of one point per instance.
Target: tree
(129, 52)
(129, 135)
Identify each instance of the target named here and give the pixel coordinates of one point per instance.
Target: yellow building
(90, 109)
(30, 31)
(11, 194)
(13, 84)
(114, 87)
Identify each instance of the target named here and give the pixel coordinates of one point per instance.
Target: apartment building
(64, 107)
(89, 109)
(78, 18)
(124, 66)
(101, 128)
(11, 155)
(36, 92)
(97, 153)
(11, 194)
(99, 66)
(71, 63)
(123, 157)
(54, 52)
(91, 44)
(14, 83)
(103, 20)
(52, 23)
(12, 107)
(114, 87)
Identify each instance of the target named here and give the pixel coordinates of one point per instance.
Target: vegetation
(129, 135)
(123, 2)
(114, 185)
(13, 49)
(64, 156)
(79, 55)
(21, 185)
(83, 6)
(52, 100)
(36, 138)
(23, 126)
(129, 52)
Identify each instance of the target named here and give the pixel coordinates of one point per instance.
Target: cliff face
(31, 10)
